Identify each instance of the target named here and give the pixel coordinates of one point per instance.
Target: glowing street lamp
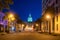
(22, 25)
(11, 17)
(37, 25)
(49, 17)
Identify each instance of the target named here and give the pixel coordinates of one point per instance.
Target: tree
(4, 4)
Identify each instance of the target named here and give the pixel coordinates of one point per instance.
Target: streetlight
(10, 18)
(37, 25)
(13, 19)
(10, 15)
(49, 26)
(48, 16)
(22, 25)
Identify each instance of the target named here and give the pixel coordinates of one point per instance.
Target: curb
(53, 34)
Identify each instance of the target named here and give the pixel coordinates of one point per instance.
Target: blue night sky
(24, 7)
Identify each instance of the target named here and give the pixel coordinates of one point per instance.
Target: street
(28, 36)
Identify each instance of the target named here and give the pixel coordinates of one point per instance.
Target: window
(56, 9)
(57, 18)
(57, 27)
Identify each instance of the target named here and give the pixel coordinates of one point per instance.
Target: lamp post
(23, 26)
(49, 23)
(37, 26)
(10, 19)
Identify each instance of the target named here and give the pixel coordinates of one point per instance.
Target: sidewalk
(3, 33)
(46, 33)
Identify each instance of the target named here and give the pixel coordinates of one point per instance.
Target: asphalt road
(28, 36)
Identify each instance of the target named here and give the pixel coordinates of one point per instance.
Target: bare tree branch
(4, 4)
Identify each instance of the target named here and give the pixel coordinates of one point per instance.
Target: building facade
(55, 20)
